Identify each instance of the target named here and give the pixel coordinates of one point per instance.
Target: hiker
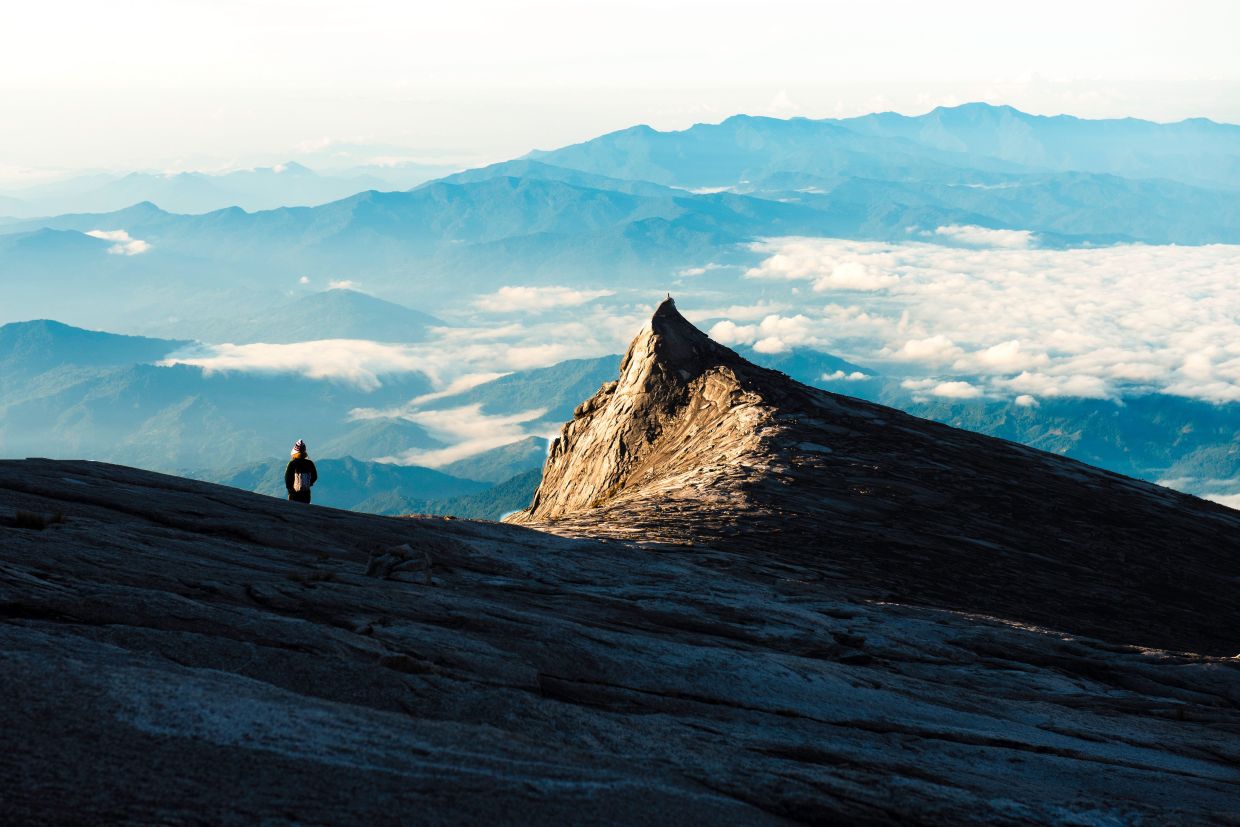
(300, 474)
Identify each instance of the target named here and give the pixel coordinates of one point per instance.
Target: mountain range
(477, 234)
(947, 145)
(67, 392)
(338, 313)
(623, 214)
(634, 207)
(260, 188)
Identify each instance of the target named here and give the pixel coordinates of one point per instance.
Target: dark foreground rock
(175, 652)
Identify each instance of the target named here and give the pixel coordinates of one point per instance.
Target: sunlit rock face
(677, 416)
(693, 444)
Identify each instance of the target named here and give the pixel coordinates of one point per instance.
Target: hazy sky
(170, 84)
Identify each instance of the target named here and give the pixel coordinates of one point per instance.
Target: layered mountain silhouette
(693, 444)
(1064, 142)
(30, 348)
(261, 188)
(635, 205)
(337, 313)
(938, 145)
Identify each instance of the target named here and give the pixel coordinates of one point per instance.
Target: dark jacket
(299, 465)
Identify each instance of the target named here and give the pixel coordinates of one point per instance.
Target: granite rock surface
(927, 627)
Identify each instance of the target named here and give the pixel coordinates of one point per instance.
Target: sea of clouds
(1008, 320)
(967, 313)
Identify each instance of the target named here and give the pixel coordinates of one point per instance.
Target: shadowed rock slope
(695, 445)
(173, 651)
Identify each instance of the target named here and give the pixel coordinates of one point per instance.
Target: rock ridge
(694, 445)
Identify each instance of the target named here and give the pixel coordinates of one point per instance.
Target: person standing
(300, 475)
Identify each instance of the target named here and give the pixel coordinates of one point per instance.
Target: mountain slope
(744, 148)
(494, 503)
(523, 168)
(262, 188)
(947, 145)
(694, 444)
(27, 348)
(558, 388)
(173, 651)
(370, 439)
(502, 463)
(337, 313)
(1195, 151)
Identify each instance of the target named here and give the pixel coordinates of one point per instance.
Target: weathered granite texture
(173, 651)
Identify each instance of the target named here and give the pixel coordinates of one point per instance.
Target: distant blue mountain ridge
(260, 188)
(937, 146)
(634, 206)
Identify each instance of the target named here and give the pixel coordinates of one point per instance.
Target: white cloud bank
(736, 313)
(457, 386)
(532, 299)
(690, 272)
(455, 359)
(1229, 500)
(808, 259)
(1021, 320)
(774, 334)
(353, 361)
(125, 245)
(932, 349)
(945, 390)
(363, 363)
(841, 376)
(467, 428)
(973, 236)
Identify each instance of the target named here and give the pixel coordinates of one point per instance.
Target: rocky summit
(752, 602)
(695, 445)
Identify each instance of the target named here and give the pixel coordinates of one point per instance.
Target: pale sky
(177, 84)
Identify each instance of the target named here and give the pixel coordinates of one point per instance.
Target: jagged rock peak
(670, 349)
(672, 340)
(648, 428)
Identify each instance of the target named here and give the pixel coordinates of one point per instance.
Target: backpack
(301, 481)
